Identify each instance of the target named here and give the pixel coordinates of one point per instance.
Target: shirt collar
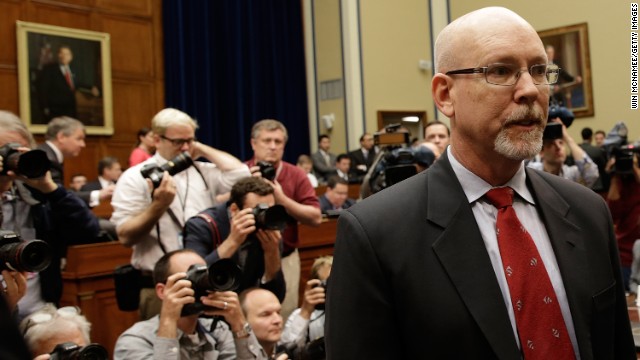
(474, 187)
(57, 151)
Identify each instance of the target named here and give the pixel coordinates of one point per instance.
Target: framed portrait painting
(568, 47)
(64, 72)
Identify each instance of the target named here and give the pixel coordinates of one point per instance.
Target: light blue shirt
(524, 205)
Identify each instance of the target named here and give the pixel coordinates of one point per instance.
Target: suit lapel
(567, 242)
(464, 257)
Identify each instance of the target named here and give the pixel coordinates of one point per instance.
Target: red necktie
(541, 328)
(67, 76)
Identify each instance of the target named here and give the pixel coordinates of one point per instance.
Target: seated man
(336, 195)
(262, 310)
(77, 182)
(306, 323)
(109, 170)
(553, 156)
(41, 209)
(229, 231)
(48, 327)
(166, 335)
(343, 170)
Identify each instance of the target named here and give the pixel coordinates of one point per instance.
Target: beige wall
(394, 38)
(396, 35)
(328, 55)
(609, 45)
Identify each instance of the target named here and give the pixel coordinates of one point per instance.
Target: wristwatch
(244, 332)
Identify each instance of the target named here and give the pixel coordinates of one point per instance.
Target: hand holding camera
(177, 293)
(314, 297)
(242, 225)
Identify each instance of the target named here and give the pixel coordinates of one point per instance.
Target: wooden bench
(88, 284)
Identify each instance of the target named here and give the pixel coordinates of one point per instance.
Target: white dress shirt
(524, 205)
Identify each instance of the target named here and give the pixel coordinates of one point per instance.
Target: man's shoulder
(571, 191)
(144, 328)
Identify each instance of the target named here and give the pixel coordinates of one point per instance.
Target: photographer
(172, 336)
(306, 323)
(46, 328)
(553, 156)
(231, 230)
(38, 208)
(624, 203)
(151, 220)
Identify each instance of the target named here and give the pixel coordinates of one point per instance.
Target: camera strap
(212, 225)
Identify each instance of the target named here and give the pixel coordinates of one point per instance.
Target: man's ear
(441, 92)
(160, 290)
(233, 208)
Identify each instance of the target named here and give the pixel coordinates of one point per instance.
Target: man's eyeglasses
(178, 142)
(508, 75)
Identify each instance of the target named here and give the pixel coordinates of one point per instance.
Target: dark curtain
(230, 63)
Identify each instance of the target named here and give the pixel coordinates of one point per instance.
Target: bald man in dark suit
(420, 271)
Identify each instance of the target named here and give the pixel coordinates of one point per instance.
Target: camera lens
(32, 256)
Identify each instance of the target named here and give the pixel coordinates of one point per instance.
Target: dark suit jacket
(357, 158)
(325, 204)
(57, 169)
(91, 186)
(599, 157)
(60, 219)
(55, 94)
(411, 277)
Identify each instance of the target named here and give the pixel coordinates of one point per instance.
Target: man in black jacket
(41, 209)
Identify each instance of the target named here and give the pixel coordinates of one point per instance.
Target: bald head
(477, 29)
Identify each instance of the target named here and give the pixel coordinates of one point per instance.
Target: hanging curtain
(230, 63)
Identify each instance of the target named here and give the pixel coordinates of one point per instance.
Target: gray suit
(320, 167)
(411, 277)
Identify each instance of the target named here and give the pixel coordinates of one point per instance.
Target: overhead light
(411, 119)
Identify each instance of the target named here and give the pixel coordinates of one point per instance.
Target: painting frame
(571, 44)
(47, 90)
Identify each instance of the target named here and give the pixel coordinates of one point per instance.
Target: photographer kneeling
(247, 230)
(171, 335)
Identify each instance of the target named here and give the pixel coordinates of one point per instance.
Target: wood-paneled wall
(137, 65)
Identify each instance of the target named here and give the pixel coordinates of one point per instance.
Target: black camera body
(72, 351)
(553, 130)
(270, 217)
(23, 255)
(323, 284)
(154, 172)
(313, 350)
(267, 170)
(33, 164)
(222, 275)
(624, 157)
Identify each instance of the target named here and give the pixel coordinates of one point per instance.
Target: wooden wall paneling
(9, 90)
(134, 106)
(68, 4)
(158, 53)
(127, 7)
(131, 47)
(9, 12)
(54, 15)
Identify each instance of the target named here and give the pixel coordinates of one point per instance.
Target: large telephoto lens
(31, 256)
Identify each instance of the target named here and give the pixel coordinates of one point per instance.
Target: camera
(553, 130)
(313, 350)
(33, 164)
(270, 217)
(624, 157)
(72, 351)
(154, 172)
(222, 275)
(267, 170)
(617, 146)
(21, 255)
(323, 284)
